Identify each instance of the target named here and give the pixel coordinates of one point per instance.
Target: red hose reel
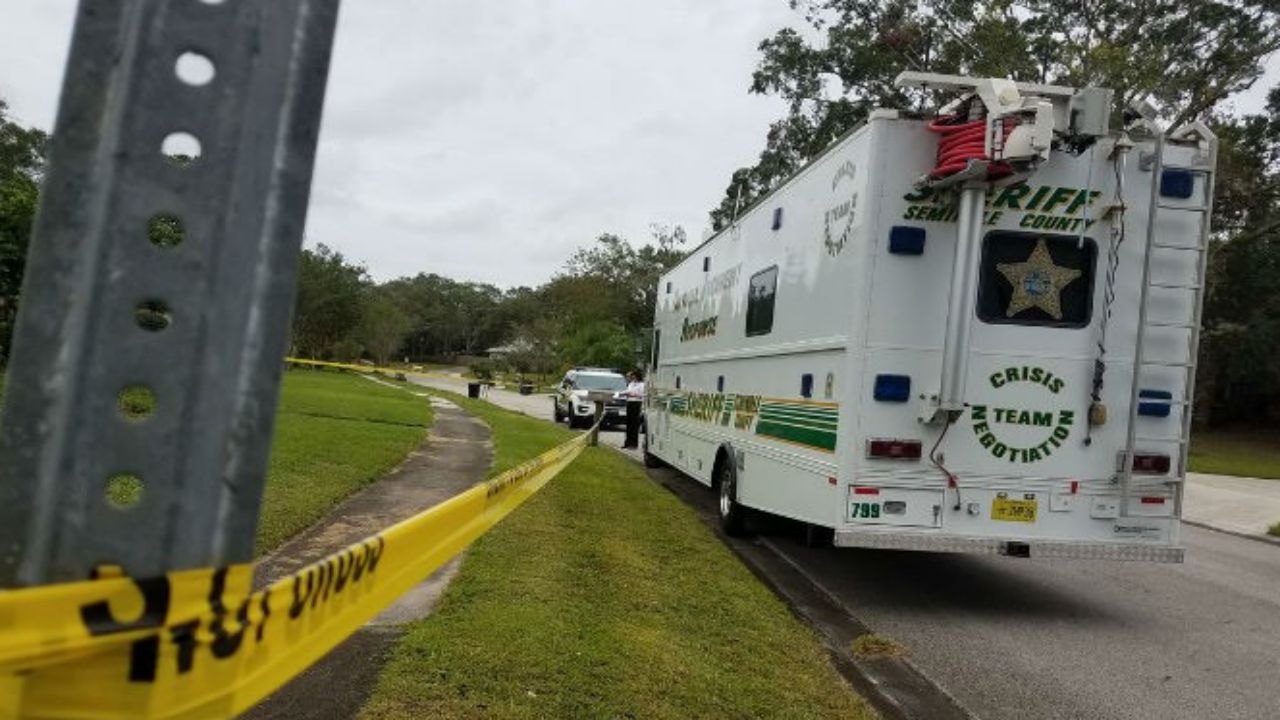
(962, 142)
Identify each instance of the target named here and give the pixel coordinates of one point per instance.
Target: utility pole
(167, 279)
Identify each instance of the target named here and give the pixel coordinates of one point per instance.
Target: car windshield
(600, 382)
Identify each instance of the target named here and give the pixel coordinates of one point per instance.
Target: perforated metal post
(172, 279)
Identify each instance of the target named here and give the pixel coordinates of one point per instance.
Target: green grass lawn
(335, 433)
(603, 597)
(516, 437)
(1250, 453)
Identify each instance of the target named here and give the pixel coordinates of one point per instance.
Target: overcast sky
(487, 140)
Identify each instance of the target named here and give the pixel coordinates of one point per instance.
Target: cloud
(486, 141)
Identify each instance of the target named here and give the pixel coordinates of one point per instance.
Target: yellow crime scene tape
(201, 644)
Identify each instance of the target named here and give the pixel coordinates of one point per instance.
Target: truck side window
(761, 293)
(1036, 279)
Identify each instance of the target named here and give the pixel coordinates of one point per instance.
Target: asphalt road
(539, 406)
(1019, 639)
(1030, 639)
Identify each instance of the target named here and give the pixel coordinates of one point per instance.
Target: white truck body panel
(848, 310)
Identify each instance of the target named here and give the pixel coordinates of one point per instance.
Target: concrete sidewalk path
(456, 455)
(1234, 504)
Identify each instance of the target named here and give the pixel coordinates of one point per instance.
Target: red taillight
(894, 449)
(1152, 500)
(866, 491)
(1151, 464)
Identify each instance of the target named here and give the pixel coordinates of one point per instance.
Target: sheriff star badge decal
(1037, 283)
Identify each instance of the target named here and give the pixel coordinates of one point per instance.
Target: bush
(347, 351)
(483, 369)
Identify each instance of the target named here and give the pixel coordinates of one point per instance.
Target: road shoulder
(1237, 505)
(893, 685)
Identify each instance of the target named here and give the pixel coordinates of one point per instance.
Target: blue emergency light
(1155, 409)
(893, 388)
(1177, 184)
(904, 240)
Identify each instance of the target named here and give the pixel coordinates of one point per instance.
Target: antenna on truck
(737, 206)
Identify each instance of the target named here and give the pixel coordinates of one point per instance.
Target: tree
(625, 279)
(22, 149)
(347, 350)
(572, 300)
(1186, 59)
(599, 343)
(22, 157)
(329, 302)
(448, 317)
(535, 348)
(383, 327)
(1238, 379)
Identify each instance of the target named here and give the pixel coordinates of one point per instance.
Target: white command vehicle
(972, 331)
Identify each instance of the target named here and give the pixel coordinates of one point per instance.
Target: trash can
(473, 389)
(526, 388)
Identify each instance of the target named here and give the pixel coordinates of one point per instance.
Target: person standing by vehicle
(635, 399)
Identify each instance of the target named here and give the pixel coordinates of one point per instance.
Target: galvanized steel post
(170, 278)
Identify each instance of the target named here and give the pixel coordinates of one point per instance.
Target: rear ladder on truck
(1202, 166)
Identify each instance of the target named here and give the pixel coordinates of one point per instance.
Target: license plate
(1011, 510)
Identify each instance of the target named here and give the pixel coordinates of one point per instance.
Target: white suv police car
(571, 396)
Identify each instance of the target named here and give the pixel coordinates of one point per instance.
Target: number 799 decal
(864, 511)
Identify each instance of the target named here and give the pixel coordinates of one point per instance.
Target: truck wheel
(733, 517)
(555, 409)
(650, 460)
(575, 423)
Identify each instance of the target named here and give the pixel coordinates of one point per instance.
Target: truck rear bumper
(934, 542)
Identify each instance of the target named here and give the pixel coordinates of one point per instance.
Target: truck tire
(650, 460)
(733, 516)
(555, 409)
